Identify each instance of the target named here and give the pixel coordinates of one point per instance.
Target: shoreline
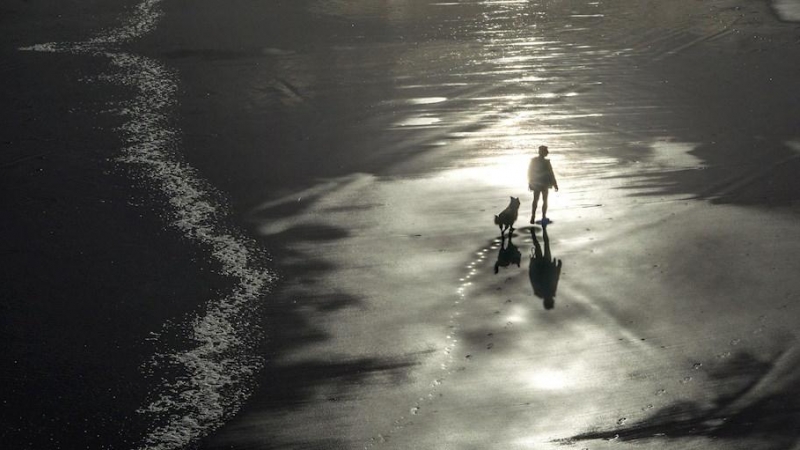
(359, 337)
(205, 346)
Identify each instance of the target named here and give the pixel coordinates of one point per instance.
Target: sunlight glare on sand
(669, 153)
(506, 171)
(426, 100)
(548, 379)
(518, 314)
(422, 121)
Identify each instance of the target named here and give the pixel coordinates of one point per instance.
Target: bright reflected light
(504, 171)
(548, 379)
(504, 2)
(532, 43)
(674, 154)
(519, 314)
(528, 79)
(426, 100)
(418, 121)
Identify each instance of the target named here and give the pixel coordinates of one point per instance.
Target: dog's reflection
(508, 254)
(544, 270)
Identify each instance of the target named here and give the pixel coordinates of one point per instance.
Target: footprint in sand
(446, 366)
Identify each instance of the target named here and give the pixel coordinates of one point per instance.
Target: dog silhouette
(505, 220)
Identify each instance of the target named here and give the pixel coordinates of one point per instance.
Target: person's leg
(535, 203)
(544, 203)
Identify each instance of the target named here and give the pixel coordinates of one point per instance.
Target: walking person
(540, 179)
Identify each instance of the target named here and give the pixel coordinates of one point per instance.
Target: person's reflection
(544, 270)
(508, 254)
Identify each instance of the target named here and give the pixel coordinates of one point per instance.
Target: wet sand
(673, 323)
(368, 154)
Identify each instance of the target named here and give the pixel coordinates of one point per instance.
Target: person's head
(543, 151)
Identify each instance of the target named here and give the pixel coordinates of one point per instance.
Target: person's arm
(553, 176)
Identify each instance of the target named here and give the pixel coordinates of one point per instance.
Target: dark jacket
(540, 174)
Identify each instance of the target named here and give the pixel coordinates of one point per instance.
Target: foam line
(218, 370)
(212, 376)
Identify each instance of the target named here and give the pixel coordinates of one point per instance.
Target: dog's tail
(497, 220)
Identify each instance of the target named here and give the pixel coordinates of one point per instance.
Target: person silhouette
(540, 179)
(544, 270)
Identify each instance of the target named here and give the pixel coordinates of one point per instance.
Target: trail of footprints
(697, 366)
(448, 365)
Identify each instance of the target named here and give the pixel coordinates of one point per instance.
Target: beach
(270, 225)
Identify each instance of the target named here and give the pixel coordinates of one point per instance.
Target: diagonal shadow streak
(762, 402)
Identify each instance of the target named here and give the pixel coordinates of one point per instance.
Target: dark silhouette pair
(544, 271)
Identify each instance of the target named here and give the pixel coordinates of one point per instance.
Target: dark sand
(367, 147)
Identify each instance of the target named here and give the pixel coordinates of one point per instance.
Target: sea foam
(212, 375)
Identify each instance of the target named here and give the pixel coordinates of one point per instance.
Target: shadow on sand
(544, 271)
(286, 383)
(508, 253)
(756, 399)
